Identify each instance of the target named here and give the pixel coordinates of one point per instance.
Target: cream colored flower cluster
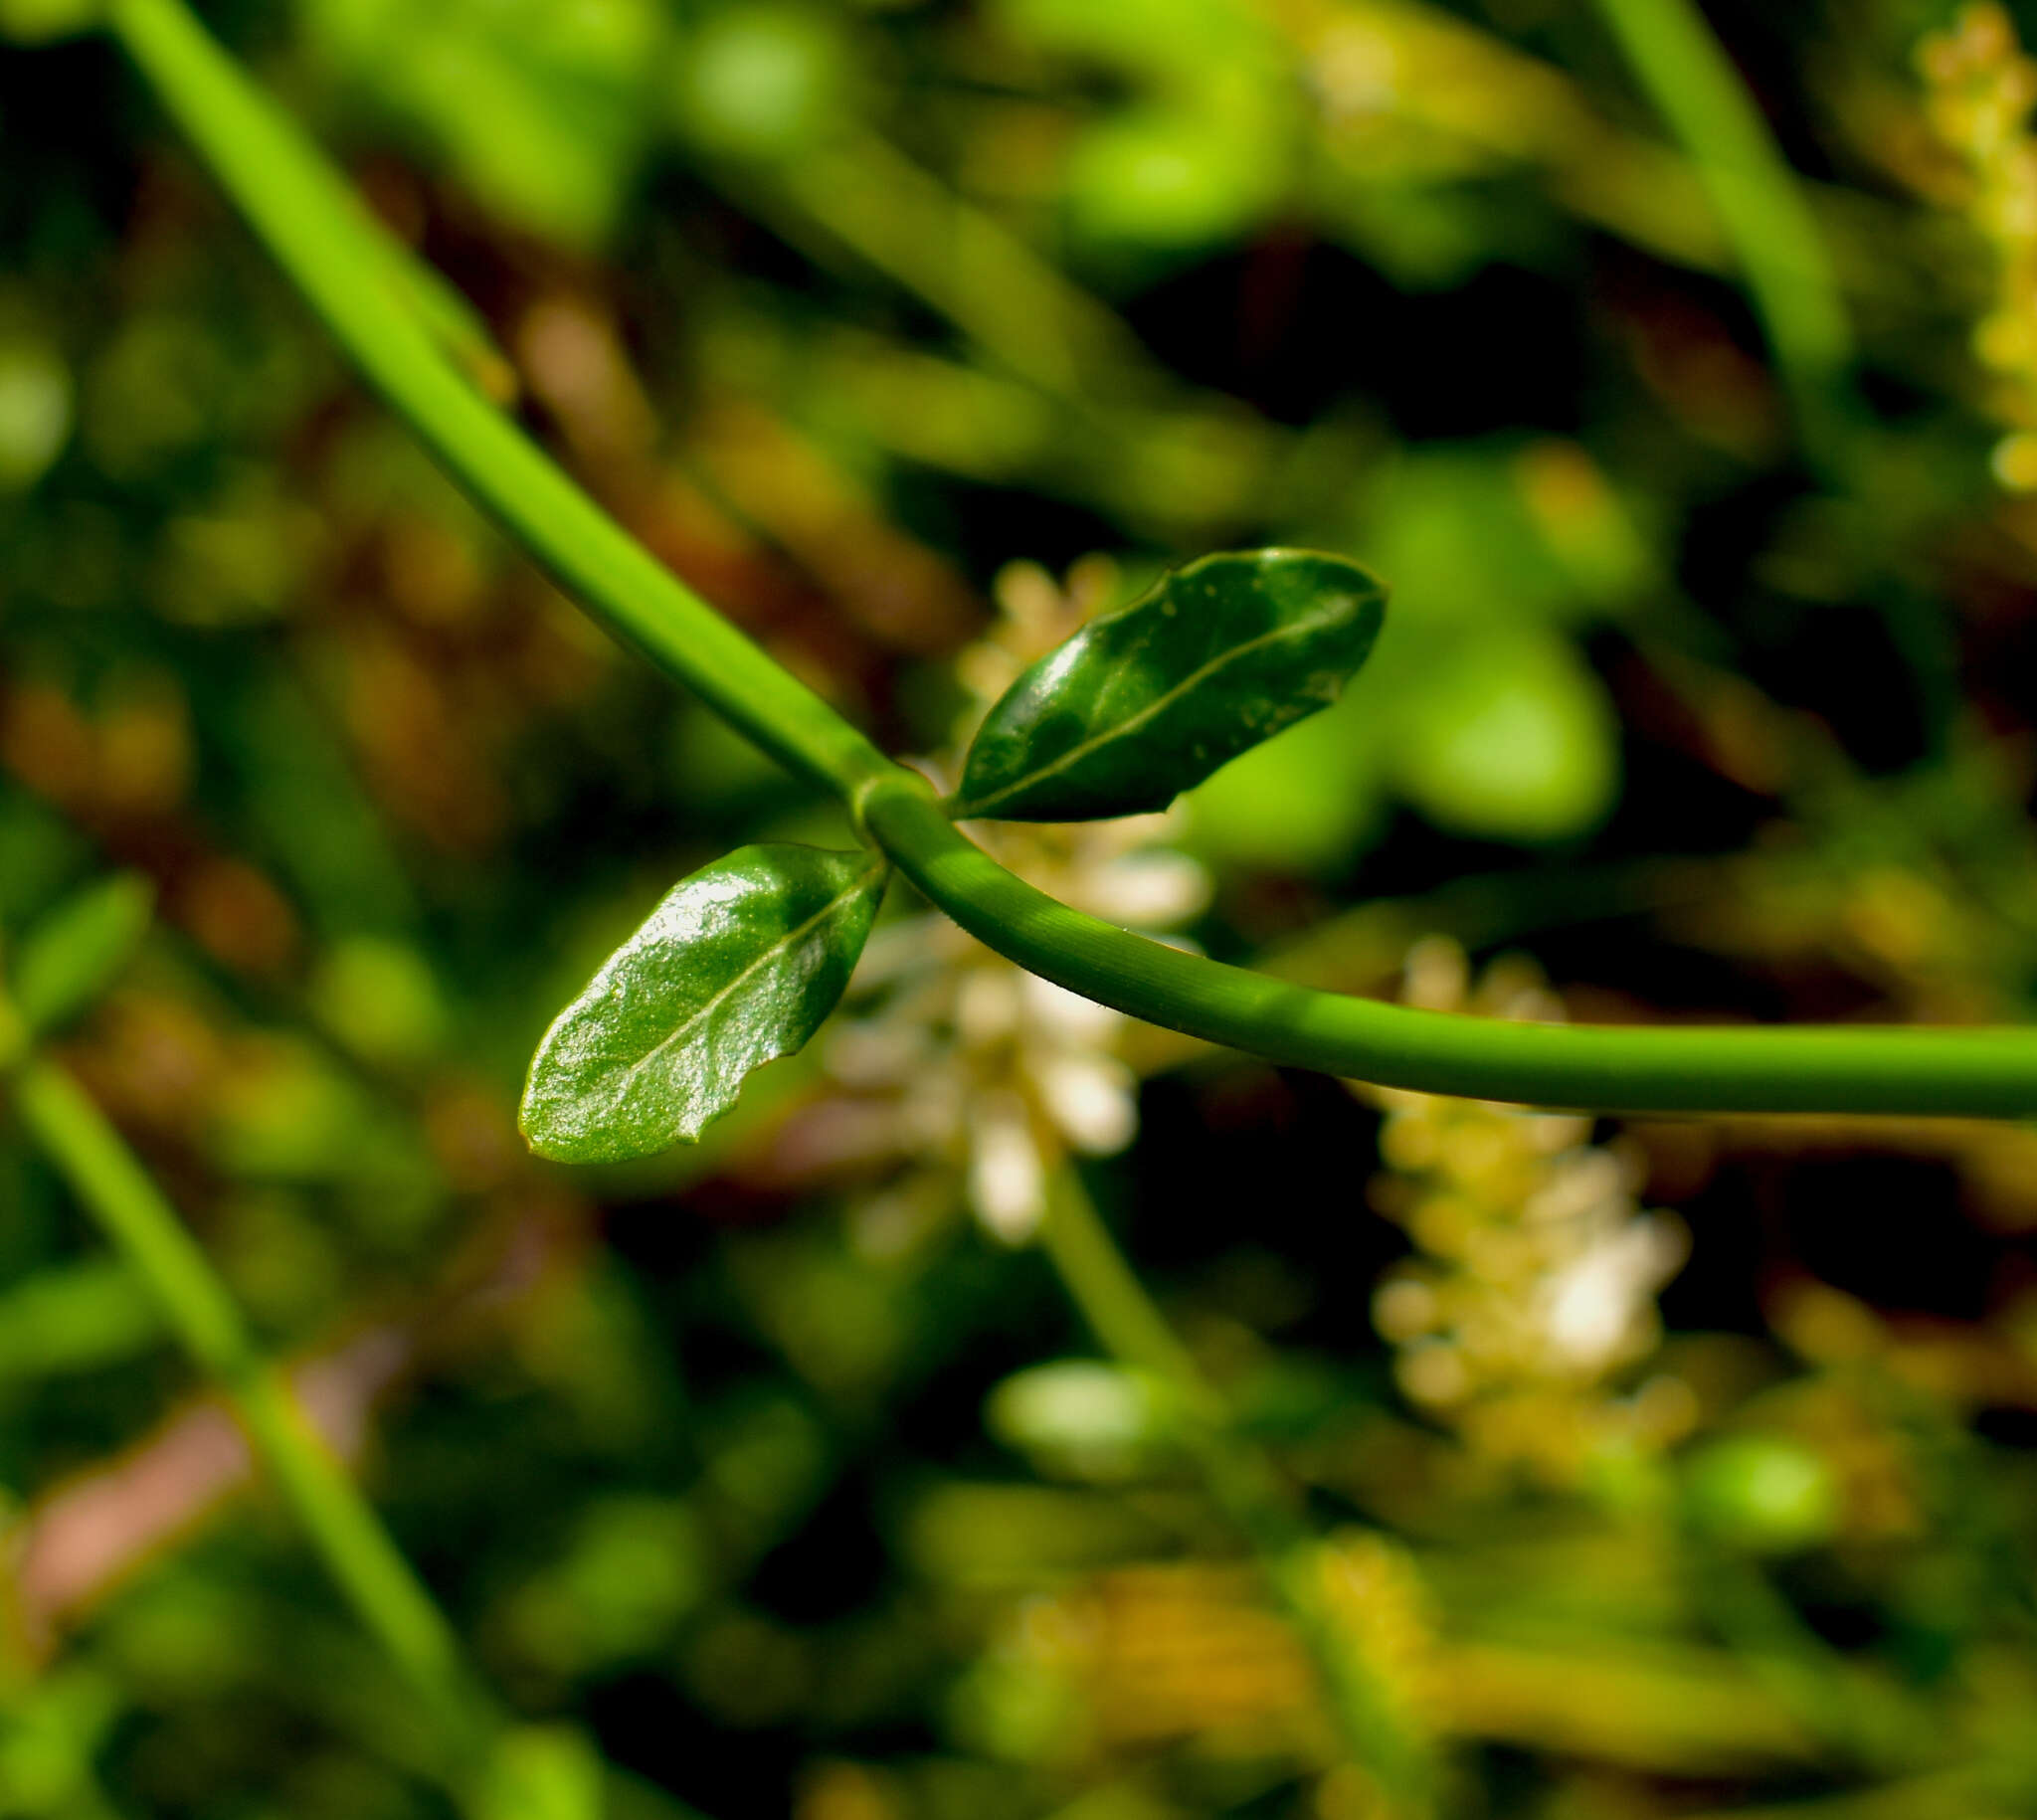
(1534, 1283)
(1980, 89)
(987, 1071)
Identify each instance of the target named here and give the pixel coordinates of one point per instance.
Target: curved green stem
(1991, 1072)
(286, 191)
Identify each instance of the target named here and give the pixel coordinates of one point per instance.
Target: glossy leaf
(1144, 703)
(78, 950)
(736, 967)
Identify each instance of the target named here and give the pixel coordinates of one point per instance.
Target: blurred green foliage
(760, 1479)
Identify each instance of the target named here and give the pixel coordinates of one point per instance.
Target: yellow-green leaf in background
(541, 111)
(1512, 738)
(76, 950)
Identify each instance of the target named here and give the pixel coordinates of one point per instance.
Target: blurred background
(1662, 1468)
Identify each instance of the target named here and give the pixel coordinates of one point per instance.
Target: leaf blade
(1147, 702)
(69, 958)
(737, 966)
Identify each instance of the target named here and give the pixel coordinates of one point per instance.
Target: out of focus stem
(1761, 206)
(1244, 1485)
(81, 1143)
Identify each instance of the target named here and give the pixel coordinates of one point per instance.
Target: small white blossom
(1006, 1177)
(1536, 1274)
(1598, 1308)
(992, 1074)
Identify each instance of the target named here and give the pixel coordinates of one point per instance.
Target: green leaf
(542, 112)
(1766, 1493)
(75, 951)
(1147, 702)
(76, 1318)
(541, 1772)
(762, 81)
(1085, 1419)
(737, 967)
(1509, 737)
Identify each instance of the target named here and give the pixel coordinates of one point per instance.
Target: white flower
(1536, 1274)
(1007, 1176)
(1594, 1307)
(993, 1073)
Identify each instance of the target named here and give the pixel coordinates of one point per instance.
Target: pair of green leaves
(741, 962)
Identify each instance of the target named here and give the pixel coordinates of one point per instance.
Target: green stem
(1114, 1301)
(286, 190)
(1991, 1072)
(1760, 204)
(1115, 1305)
(65, 1124)
(1853, 1716)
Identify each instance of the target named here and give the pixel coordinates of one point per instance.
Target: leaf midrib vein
(1075, 754)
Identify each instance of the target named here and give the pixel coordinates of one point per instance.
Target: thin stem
(380, 1585)
(1760, 204)
(1976, 1072)
(1118, 1311)
(283, 186)
(1112, 1301)
(1764, 207)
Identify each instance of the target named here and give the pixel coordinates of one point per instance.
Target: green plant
(743, 959)
(742, 962)
(296, 205)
